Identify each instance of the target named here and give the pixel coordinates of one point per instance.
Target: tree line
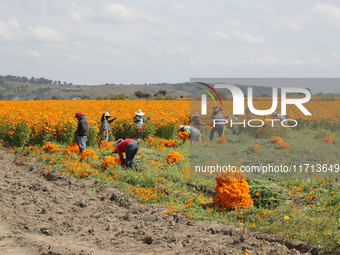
(41, 80)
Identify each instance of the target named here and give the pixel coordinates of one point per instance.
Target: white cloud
(241, 37)
(218, 35)
(33, 53)
(231, 23)
(247, 38)
(319, 15)
(182, 49)
(47, 34)
(196, 64)
(291, 23)
(5, 32)
(266, 60)
(329, 13)
(335, 56)
(123, 13)
(267, 8)
(177, 9)
(14, 31)
(270, 60)
(76, 12)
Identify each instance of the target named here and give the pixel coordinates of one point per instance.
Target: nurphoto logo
(238, 104)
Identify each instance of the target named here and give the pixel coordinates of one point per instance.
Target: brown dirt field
(49, 214)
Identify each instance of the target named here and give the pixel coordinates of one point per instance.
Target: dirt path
(50, 214)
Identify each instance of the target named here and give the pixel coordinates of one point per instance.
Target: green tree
(121, 96)
(146, 95)
(139, 94)
(161, 92)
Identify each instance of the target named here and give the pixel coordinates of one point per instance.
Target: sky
(151, 41)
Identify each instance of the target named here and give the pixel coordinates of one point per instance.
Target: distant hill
(22, 88)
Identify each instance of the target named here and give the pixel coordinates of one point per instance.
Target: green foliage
(122, 129)
(321, 134)
(64, 133)
(165, 131)
(269, 194)
(17, 135)
(38, 136)
(91, 137)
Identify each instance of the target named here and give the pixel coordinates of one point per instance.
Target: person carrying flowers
(139, 120)
(105, 125)
(130, 147)
(194, 133)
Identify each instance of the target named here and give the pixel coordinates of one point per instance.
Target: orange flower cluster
(221, 139)
(168, 143)
(232, 193)
(88, 154)
(159, 144)
(174, 157)
(146, 194)
(79, 169)
(110, 160)
(328, 139)
(51, 148)
(105, 146)
(279, 142)
(183, 135)
(257, 148)
(71, 148)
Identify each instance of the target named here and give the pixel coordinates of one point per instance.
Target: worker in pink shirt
(130, 147)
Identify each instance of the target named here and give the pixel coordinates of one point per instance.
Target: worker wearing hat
(105, 125)
(139, 120)
(130, 147)
(194, 133)
(196, 120)
(82, 131)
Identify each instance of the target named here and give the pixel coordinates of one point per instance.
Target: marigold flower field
(43, 131)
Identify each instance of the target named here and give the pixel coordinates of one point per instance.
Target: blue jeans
(130, 153)
(81, 141)
(139, 133)
(106, 136)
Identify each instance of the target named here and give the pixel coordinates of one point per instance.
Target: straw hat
(139, 113)
(196, 114)
(106, 114)
(115, 144)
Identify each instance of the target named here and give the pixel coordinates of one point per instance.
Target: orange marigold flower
(328, 139)
(88, 154)
(232, 193)
(279, 142)
(174, 157)
(110, 160)
(183, 135)
(51, 148)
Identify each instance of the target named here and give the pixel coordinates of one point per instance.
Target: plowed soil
(44, 213)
